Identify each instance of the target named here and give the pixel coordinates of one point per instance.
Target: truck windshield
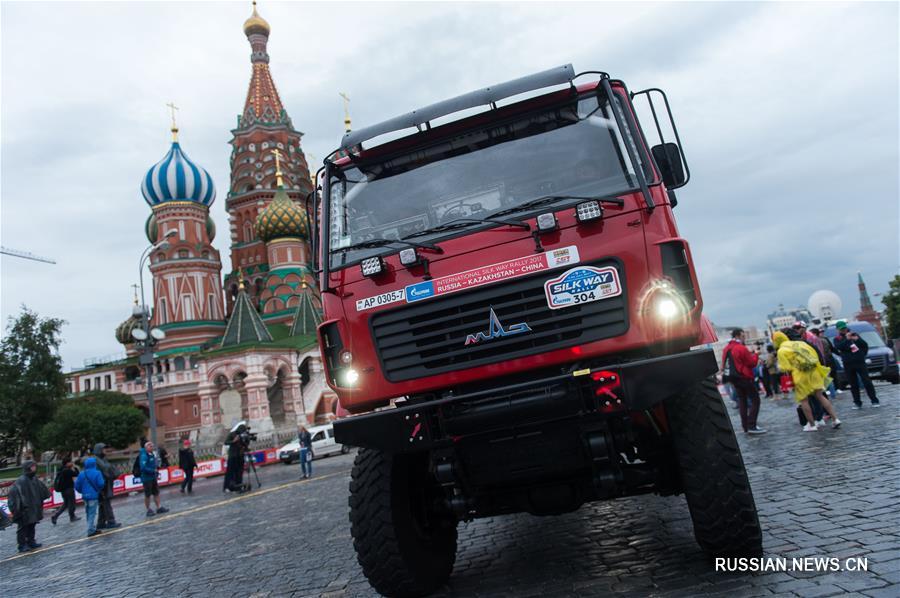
(574, 149)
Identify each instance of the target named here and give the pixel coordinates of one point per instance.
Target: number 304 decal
(582, 284)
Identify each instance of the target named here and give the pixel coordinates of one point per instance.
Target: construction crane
(25, 255)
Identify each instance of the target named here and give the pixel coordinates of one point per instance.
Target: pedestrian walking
(810, 378)
(106, 518)
(65, 485)
(187, 463)
(306, 452)
(853, 351)
(827, 359)
(26, 503)
(91, 484)
(740, 363)
(149, 473)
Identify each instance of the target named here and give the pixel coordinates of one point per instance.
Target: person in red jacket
(738, 364)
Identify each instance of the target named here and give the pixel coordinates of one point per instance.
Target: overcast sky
(788, 114)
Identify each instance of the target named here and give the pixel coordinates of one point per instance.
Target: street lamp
(147, 338)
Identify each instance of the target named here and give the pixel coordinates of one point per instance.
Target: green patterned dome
(123, 331)
(282, 218)
(210, 228)
(151, 229)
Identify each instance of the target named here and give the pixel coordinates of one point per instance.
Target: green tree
(891, 302)
(31, 379)
(101, 416)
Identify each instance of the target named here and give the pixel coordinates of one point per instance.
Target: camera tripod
(248, 459)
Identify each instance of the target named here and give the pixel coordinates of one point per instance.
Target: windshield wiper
(372, 243)
(540, 201)
(464, 222)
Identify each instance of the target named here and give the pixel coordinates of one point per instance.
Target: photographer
(238, 443)
(853, 350)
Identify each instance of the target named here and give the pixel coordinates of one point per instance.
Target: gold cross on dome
(135, 287)
(173, 108)
(278, 180)
(346, 110)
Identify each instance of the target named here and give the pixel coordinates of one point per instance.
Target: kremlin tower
(866, 312)
(267, 164)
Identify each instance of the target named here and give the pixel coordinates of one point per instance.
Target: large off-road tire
(713, 475)
(404, 543)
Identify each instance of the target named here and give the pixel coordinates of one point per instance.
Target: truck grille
(428, 337)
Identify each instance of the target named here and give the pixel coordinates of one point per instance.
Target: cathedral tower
(866, 312)
(187, 288)
(263, 126)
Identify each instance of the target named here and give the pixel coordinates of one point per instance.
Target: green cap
(840, 325)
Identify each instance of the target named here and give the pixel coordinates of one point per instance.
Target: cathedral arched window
(248, 232)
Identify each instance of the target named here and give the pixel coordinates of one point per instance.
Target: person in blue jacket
(149, 465)
(90, 483)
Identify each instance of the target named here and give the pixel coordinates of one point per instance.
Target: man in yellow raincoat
(810, 377)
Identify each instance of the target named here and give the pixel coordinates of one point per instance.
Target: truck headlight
(349, 377)
(588, 210)
(666, 308)
(408, 256)
(546, 222)
(371, 266)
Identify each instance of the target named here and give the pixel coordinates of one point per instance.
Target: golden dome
(282, 218)
(256, 24)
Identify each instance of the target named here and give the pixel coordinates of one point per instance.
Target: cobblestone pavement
(828, 493)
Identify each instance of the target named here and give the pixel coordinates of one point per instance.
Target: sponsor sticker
(475, 277)
(583, 284)
(419, 291)
(382, 299)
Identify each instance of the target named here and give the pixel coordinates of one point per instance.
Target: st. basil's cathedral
(242, 347)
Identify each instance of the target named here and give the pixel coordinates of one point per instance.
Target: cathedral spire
(263, 103)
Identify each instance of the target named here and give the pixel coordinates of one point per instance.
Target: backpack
(57, 481)
(136, 468)
(729, 372)
(806, 362)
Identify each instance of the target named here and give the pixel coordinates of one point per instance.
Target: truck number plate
(582, 284)
(382, 299)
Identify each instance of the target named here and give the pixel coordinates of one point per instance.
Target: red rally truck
(509, 312)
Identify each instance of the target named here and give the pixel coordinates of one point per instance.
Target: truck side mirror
(668, 158)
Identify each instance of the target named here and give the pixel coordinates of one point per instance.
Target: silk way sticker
(583, 284)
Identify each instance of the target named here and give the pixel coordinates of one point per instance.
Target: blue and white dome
(176, 178)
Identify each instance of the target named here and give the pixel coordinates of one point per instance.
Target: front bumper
(421, 426)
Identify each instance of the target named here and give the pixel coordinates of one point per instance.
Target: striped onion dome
(176, 178)
(282, 218)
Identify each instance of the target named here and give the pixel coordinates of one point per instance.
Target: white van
(323, 444)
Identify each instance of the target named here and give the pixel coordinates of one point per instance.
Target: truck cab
(508, 313)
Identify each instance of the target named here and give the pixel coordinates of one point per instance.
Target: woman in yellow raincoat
(810, 377)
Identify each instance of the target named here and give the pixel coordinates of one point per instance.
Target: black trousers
(105, 514)
(25, 534)
(188, 481)
(68, 504)
(854, 373)
(234, 473)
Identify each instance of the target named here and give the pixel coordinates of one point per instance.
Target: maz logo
(496, 330)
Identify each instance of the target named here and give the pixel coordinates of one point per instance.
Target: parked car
(881, 361)
(323, 444)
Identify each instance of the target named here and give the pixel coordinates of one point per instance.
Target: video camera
(245, 436)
